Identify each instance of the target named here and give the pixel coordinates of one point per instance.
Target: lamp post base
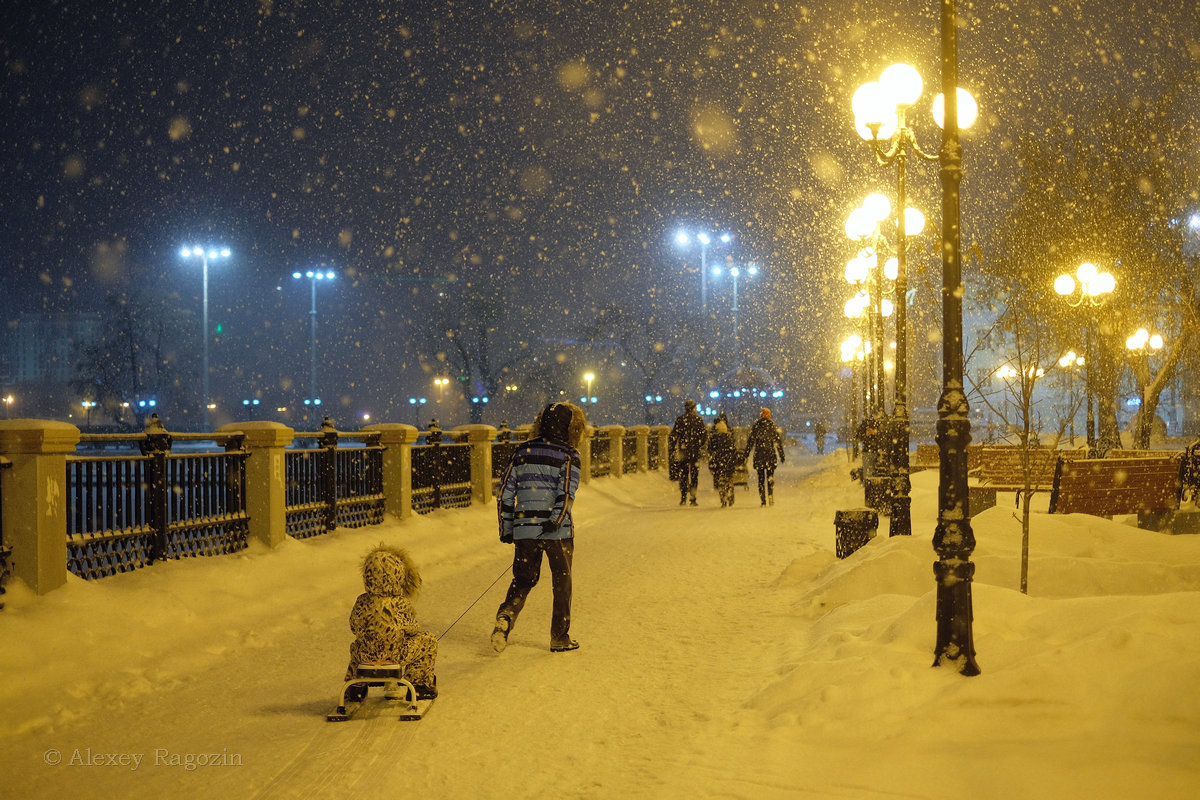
(900, 520)
(955, 642)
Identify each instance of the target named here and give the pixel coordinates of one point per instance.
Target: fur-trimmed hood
(390, 572)
(562, 423)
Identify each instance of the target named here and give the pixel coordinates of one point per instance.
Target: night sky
(541, 153)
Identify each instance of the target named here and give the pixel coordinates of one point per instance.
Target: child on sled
(385, 626)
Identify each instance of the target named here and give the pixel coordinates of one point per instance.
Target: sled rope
(477, 599)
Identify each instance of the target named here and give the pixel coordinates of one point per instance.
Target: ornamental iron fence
(328, 485)
(125, 512)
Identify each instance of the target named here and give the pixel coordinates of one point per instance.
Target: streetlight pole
(1137, 345)
(880, 105)
(953, 538)
(683, 238)
(852, 355)
(204, 255)
(313, 276)
(1092, 286)
(879, 468)
(735, 273)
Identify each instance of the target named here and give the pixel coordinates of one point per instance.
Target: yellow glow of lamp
(968, 109)
(914, 221)
(874, 115)
(901, 84)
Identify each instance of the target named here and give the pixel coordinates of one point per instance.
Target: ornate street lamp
(863, 226)
(853, 354)
(953, 539)
(881, 112)
(1089, 287)
(1140, 345)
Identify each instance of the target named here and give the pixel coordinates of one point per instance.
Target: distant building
(44, 348)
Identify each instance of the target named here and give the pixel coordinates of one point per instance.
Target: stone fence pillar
(585, 454)
(642, 432)
(663, 434)
(480, 438)
(397, 440)
(616, 436)
(35, 499)
(266, 477)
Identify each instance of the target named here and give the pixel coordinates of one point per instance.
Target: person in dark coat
(765, 442)
(534, 509)
(819, 431)
(685, 444)
(722, 459)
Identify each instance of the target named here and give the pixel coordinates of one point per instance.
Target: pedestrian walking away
(766, 443)
(685, 444)
(534, 509)
(723, 457)
(819, 431)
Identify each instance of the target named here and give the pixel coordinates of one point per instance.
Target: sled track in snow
(341, 755)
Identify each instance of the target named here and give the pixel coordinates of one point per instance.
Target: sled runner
(396, 688)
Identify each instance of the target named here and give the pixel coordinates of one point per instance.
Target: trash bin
(855, 527)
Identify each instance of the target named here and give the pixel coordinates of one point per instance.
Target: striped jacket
(539, 487)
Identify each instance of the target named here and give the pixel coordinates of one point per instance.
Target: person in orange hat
(765, 441)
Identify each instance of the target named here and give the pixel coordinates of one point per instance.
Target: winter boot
(500, 633)
(564, 646)
(426, 691)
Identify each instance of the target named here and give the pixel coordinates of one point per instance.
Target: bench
(929, 456)
(1149, 485)
(853, 528)
(1001, 468)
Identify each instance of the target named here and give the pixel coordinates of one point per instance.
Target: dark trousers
(766, 482)
(689, 478)
(527, 568)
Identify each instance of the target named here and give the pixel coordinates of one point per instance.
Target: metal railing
(328, 485)
(629, 462)
(441, 473)
(5, 550)
(127, 511)
(601, 456)
(133, 499)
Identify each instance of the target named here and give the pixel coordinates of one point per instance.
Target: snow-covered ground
(726, 653)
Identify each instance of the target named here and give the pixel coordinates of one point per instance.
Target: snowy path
(726, 653)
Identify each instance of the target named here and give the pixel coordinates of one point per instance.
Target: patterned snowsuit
(383, 619)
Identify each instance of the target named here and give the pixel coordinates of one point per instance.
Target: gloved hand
(506, 538)
(549, 526)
